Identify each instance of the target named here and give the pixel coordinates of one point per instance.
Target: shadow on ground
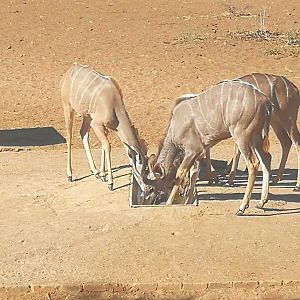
(118, 171)
(288, 180)
(255, 196)
(24, 137)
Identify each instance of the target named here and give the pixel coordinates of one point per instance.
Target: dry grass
(231, 10)
(282, 51)
(276, 44)
(293, 38)
(258, 35)
(289, 38)
(189, 37)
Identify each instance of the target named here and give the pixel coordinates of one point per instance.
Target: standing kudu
(198, 122)
(284, 96)
(98, 99)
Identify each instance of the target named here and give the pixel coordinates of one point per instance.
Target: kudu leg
(211, 174)
(69, 116)
(102, 164)
(295, 136)
(234, 166)
(84, 133)
(252, 166)
(265, 160)
(191, 193)
(181, 175)
(101, 135)
(297, 187)
(285, 143)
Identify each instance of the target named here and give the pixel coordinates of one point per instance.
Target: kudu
(200, 121)
(98, 99)
(284, 96)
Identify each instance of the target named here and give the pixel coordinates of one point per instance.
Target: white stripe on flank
(270, 84)
(286, 87)
(242, 106)
(212, 120)
(62, 85)
(235, 101)
(256, 82)
(86, 88)
(71, 89)
(91, 106)
(191, 109)
(222, 103)
(201, 112)
(254, 100)
(227, 103)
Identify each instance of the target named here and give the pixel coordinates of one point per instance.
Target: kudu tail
(266, 129)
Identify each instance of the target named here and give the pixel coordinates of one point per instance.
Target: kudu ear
(137, 155)
(158, 170)
(134, 154)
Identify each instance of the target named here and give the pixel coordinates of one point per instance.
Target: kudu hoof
(103, 178)
(70, 179)
(259, 205)
(110, 186)
(229, 184)
(240, 212)
(296, 188)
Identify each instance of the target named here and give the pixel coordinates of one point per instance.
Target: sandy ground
(53, 231)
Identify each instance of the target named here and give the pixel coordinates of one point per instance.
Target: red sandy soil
(56, 232)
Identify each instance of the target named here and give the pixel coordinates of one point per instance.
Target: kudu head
(139, 161)
(156, 179)
(151, 177)
(160, 181)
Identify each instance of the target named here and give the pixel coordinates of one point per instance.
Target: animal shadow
(24, 137)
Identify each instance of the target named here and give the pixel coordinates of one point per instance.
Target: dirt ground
(55, 232)
(52, 231)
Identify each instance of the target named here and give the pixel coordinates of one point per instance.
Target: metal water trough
(135, 193)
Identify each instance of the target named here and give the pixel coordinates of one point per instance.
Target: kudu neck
(127, 132)
(167, 153)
